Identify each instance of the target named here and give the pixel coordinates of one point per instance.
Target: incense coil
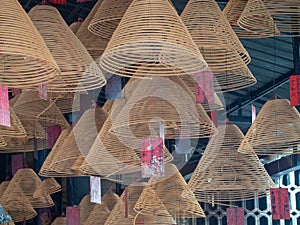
(86, 207)
(75, 26)
(107, 17)
(17, 204)
(142, 113)
(92, 42)
(150, 33)
(15, 145)
(23, 63)
(79, 72)
(29, 181)
(284, 13)
(174, 184)
(68, 102)
(214, 36)
(224, 175)
(109, 199)
(77, 145)
(2, 142)
(98, 216)
(233, 11)
(46, 187)
(276, 129)
(59, 221)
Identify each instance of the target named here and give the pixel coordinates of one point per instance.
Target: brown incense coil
(68, 102)
(79, 142)
(285, 14)
(233, 11)
(79, 72)
(98, 216)
(151, 33)
(86, 207)
(108, 105)
(223, 174)
(29, 181)
(46, 170)
(214, 36)
(276, 129)
(46, 187)
(92, 42)
(153, 220)
(2, 142)
(155, 101)
(174, 184)
(15, 145)
(15, 129)
(119, 159)
(32, 106)
(109, 199)
(107, 17)
(59, 221)
(17, 205)
(123, 212)
(23, 63)
(75, 26)
(3, 187)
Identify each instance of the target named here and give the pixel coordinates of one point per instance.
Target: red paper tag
(213, 115)
(139, 222)
(280, 203)
(73, 215)
(58, 2)
(95, 187)
(4, 107)
(235, 216)
(294, 90)
(43, 91)
(53, 133)
(152, 157)
(204, 87)
(16, 163)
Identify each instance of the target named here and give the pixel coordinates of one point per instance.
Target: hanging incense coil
(123, 212)
(153, 220)
(79, 72)
(59, 221)
(109, 199)
(17, 204)
(98, 216)
(92, 42)
(46, 187)
(155, 101)
(15, 129)
(32, 106)
(46, 170)
(276, 129)
(224, 175)
(107, 17)
(3, 187)
(77, 145)
(15, 145)
(86, 207)
(23, 63)
(174, 184)
(285, 15)
(75, 26)
(233, 11)
(29, 181)
(151, 33)
(68, 102)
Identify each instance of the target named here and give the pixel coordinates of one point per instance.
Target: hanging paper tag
(213, 115)
(183, 146)
(162, 132)
(53, 133)
(235, 216)
(43, 91)
(58, 2)
(152, 157)
(73, 215)
(204, 87)
(95, 187)
(16, 163)
(253, 110)
(16, 91)
(113, 88)
(280, 203)
(4, 107)
(294, 90)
